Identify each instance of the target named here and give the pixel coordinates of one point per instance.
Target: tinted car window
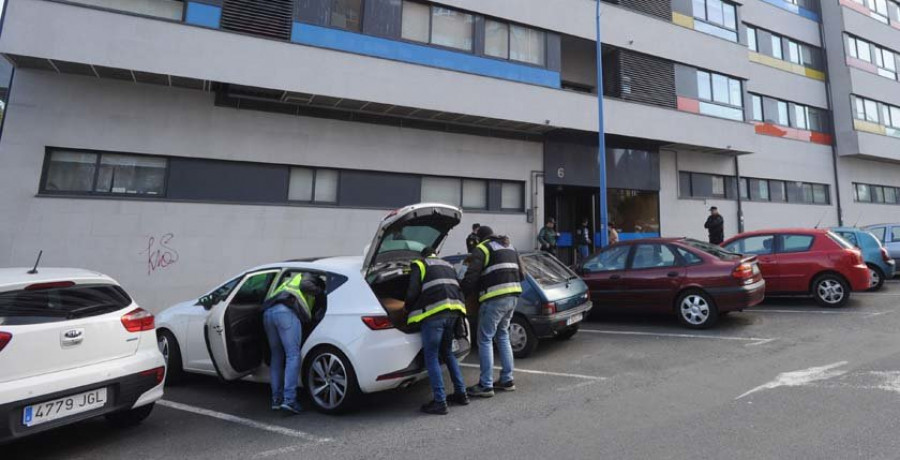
(332, 280)
(653, 256)
(796, 243)
(762, 244)
(712, 249)
(608, 260)
(878, 232)
(689, 257)
(59, 304)
(546, 270)
(895, 234)
(255, 289)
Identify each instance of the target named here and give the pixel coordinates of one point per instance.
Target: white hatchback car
(358, 346)
(73, 345)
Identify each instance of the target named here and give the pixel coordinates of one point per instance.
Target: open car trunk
(400, 239)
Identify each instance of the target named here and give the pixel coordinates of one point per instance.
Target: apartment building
(173, 143)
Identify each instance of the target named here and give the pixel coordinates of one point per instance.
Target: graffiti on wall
(160, 252)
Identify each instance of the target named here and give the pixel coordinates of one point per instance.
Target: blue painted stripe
(324, 37)
(625, 236)
(201, 14)
(794, 9)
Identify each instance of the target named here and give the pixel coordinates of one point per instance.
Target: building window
(698, 185)
(527, 45)
(451, 28)
(801, 116)
(776, 47)
(751, 39)
(868, 193)
(80, 172)
(496, 39)
(416, 22)
(862, 193)
(512, 195)
(313, 185)
(441, 190)
(346, 14)
(759, 190)
(794, 52)
(757, 105)
(474, 194)
(716, 12)
(721, 90)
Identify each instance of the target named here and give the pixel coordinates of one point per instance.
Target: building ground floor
(171, 192)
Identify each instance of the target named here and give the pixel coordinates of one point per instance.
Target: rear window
(840, 241)
(60, 304)
(712, 250)
(802, 243)
(546, 270)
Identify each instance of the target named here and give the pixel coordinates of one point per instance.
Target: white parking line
(819, 312)
(243, 421)
(753, 340)
(556, 374)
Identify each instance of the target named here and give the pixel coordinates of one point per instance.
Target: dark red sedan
(805, 261)
(697, 281)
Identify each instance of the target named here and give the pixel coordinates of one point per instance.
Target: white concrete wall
(867, 172)
(212, 241)
(685, 216)
(166, 9)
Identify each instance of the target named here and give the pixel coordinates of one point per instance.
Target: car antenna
(859, 216)
(820, 219)
(34, 271)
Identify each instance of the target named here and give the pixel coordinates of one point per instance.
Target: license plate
(48, 411)
(574, 319)
(455, 346)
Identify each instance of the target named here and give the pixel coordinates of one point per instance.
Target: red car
(697, 281)
(805, 261)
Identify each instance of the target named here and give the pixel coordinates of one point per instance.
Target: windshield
(840, 241)
(59, 304)
(546, 270)
(712, 249)
(411, 238)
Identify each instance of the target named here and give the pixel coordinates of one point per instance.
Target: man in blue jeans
(495, 276)
(434, 300)
(291, 306)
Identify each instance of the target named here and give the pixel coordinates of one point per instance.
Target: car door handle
(672, 274)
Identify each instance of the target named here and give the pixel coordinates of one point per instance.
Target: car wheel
(876, 278)
(831, 291)
(567, 333)
(171, 352)
(331, 381)
(696, 310)
(521, 337)
(130, 417)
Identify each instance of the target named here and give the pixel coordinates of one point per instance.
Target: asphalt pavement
(786, 379)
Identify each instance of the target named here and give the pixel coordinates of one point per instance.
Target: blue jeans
(437, 341)
(493, 321)
(583, 251)
(284, 333)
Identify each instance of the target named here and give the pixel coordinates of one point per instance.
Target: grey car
(553, 304)
(889, 235)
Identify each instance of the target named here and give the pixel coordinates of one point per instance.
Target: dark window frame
(315, 174)
(45, 170)
(871, 195)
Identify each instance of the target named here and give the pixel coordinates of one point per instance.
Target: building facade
(172, 143)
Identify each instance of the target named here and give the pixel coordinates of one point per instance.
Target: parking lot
(786, 379)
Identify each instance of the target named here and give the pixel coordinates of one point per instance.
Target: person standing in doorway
(495, 276)
(715, 225)
(583, 240)
(613, 234)
(286, 313)
(547, 237)
(435, 301)
(472, 239)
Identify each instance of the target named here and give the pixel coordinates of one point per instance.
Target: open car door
(234, 331)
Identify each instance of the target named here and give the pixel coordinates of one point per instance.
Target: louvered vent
(646, 79)
(264, 18)
(659, 8)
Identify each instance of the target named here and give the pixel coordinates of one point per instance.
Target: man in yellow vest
(291, 307)
(495, 276)
(435, 301)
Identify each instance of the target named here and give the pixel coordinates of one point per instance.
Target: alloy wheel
(163, 343)
(518, 337)
(874, 278)
(830, 291)
(695, 309)
(328, 381)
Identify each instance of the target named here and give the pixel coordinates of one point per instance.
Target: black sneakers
(435, 408)
(460, 399)
(507, 386)
(479, 391)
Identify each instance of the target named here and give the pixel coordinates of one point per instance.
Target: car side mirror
(206, 302)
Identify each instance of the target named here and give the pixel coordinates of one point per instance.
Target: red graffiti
(159, 253)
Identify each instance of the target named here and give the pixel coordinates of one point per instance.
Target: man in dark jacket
(472, 239)
(299, 302)
(715, 224)
(583, 240)
(435, 301)
(547, 237)
(495, 276)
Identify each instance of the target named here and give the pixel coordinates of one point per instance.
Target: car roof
(343, 265)
(797, 230)
(849, 229)
(12, 278)
(669, 239)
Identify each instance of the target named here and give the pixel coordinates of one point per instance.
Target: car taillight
(159, 373)
(138, 320)
(377, 323)
(743, 271)
(53, 285)
(857, 256)
(548, 308)
(5, 337)
(885, 256)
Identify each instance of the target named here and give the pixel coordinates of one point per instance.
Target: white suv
(73, 345)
